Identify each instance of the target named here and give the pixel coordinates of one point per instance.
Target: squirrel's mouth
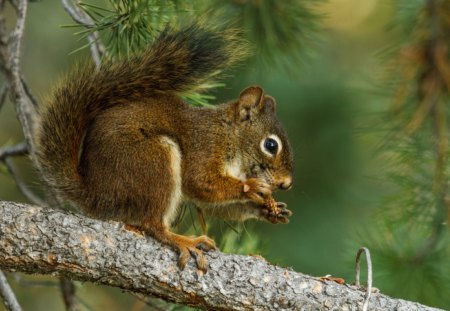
(261, 171)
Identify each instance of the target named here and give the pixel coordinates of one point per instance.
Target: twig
(369, 275)
(24, 102)
(3, 93)
(9, 299)
(68, 294)
(17, 150)
(29, 93)
(21, 184)
(77, 15)
(97, 48)
(10, 51)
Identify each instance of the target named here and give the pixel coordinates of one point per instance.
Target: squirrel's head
(265, 151)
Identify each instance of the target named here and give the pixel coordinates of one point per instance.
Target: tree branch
(38, 240)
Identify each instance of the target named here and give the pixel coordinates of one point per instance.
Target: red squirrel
(120, 143)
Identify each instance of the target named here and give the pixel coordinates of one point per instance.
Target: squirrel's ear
(270, 103)
(250, 102)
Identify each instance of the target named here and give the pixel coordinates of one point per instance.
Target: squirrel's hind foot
(192, 247)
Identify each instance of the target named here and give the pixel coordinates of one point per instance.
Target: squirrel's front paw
(278, 215)
(257, 190)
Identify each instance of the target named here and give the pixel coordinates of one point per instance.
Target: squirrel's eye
(271, 145)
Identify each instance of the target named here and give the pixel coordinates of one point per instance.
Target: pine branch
(129, 26)
(417, 146)
(80, 17)
(283, 32)
(45, 241)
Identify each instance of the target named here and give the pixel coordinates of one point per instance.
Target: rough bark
(45, 241)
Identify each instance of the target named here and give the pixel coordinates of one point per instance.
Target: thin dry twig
(9, 299)
(67, 288)
(80, 17)
(29, 93)
(24, 189)
(24, 103)
(77, 15)
(17, 150)
(369, 275)
(3, 93)
(10, 51)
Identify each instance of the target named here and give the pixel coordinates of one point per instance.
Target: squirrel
(119, 143)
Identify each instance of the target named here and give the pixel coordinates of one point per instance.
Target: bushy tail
(178, 61)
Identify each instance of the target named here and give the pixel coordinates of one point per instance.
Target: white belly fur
(175, 165)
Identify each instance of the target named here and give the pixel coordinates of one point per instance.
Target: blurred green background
(328, 103)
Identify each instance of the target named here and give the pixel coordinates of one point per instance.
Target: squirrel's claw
(282, 205)
(281, 215)
(194, 247)
(187, 252)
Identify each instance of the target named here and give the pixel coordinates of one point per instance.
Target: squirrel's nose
(286, 184)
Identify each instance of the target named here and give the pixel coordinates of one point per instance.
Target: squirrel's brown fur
(119, 142)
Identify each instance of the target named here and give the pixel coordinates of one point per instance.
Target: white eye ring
(264, 149)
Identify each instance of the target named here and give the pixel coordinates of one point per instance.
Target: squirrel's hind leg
(186, 246)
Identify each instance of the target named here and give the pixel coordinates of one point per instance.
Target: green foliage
(283, 32)
(3, 169)
(242, 242)
(411, 240)
(128, 26)
(407, 13)
(401, 271)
